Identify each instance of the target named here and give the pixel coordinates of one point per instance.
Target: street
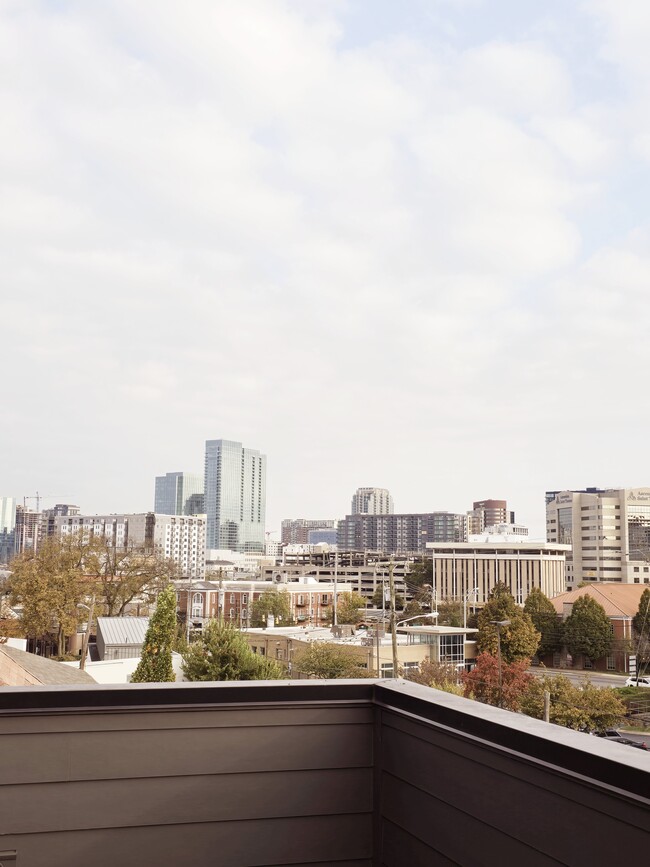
(597, 678)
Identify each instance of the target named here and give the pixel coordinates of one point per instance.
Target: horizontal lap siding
(318, 840)
(468, 801)
(294, 789)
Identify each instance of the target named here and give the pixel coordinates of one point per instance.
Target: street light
(499, 624)
(86, 638)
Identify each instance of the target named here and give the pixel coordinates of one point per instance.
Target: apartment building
(403, 534)
(309, 601)
(296, 531)
(471, 570)
(608, 530)
(180, 538)
(372, 501)
(488, 513)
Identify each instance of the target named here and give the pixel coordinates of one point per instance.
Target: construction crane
(38, 497)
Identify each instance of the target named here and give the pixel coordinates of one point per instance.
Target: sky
(402, 245)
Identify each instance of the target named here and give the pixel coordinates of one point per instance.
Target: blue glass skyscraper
(235, 496)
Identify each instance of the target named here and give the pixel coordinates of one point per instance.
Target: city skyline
(392, 244)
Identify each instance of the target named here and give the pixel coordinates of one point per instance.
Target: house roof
(618, 600)
(122, 630)
(45, 671)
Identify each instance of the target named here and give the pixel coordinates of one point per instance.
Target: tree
(222, 653)
(329, 661)
(273, 602)
(450, 613)
(421, 572)
(641, 624)
(437, 675)
(155, 664)
(545, 620)
(519, 640)
(349, 608)
(585, 708)
(482, 682)
(126, 574)
(48, 584)
(587, 630)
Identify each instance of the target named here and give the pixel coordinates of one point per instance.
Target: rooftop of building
(520, 543)
(122, 630)
(43, 671)
(618, 600)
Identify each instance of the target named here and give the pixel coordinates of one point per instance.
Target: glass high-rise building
(235, 496)
(179, 494)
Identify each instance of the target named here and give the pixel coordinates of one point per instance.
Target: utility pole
(336, 570)
(86, 638)
(547, 706)
(393, 619)
(499, 624)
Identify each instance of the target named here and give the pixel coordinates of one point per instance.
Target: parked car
(638, 681)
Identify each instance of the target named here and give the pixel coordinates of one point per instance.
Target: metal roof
(122, 630)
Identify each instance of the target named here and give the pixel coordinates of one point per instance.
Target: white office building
(608, 530)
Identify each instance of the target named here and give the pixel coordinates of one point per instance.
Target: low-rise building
(470, 570)
(371, 649)
(310, 602)
(621, 603)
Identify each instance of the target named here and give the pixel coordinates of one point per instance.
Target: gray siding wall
(456, 794)
(179, 786)
(307, 773)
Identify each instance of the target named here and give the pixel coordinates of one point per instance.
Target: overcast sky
(403, 245)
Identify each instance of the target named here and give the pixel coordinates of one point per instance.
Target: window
(611, 664)
(232, 613)
(244, 598)
(588, 663)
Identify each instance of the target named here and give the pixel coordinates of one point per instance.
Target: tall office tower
(179, 494)
(488, 513)
(608, 529)
(295, 531)
(7, 527)
(372, 501)
(235, 496)
(406, 534)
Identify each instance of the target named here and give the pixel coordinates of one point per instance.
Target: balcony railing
(308, 772)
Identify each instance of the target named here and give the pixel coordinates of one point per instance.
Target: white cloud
(219, 220)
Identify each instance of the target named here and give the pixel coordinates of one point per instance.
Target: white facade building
(372, 501)
(180, 538)
(608, 529)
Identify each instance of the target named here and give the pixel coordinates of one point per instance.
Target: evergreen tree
(519, 640)
(641, 623)
(545, 620)
(587, 630)
(155, 664)
(222, 653)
